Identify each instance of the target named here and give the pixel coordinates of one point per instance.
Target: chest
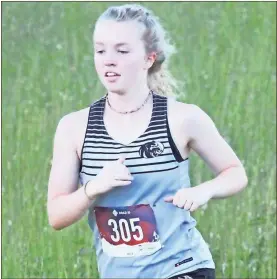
(127, 130)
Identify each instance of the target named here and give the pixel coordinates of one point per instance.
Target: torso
(127, 128)
(155, 177)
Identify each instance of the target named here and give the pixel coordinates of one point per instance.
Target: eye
(100, 51)
(123, 51)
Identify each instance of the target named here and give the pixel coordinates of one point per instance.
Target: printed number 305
(122, 230)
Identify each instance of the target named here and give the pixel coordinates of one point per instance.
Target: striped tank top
(136, 233)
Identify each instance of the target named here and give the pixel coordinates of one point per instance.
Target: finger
(193, 207)
(125, 170)
(168, 199)
(180, 202)
(121, 159)
(124, 177)
(188, 204)
(121, 171)
(176, 200)
(119, 183)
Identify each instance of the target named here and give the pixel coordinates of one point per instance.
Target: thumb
(168, 199)
(121, 159)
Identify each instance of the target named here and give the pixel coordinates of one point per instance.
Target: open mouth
(111, 74)
(112, 77)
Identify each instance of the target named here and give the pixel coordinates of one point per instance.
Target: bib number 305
(124, 231)
(127, 231)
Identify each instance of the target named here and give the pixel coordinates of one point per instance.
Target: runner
(130, 152)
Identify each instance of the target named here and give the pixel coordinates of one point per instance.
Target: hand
(113, 174)
(190, 198)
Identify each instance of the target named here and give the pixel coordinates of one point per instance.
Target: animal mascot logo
(151, 149)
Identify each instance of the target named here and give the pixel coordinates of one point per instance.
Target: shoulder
(74, 119)
(70, 121)
(186, 111)
(71, 129)
(192, 118)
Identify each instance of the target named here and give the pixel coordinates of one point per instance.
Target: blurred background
(227, 60)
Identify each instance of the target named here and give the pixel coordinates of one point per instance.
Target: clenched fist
(113, 174)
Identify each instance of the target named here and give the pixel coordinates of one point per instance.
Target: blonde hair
(155, 39)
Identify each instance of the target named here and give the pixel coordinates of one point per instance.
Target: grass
(226, 56)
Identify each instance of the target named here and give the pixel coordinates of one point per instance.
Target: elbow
(240, 178)
(54, 223)
(54, 220)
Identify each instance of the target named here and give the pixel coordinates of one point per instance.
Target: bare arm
(66, 203)
(206, 141)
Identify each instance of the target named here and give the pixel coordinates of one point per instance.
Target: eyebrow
(117, 45)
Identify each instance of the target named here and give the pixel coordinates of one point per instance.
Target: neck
(128, 100)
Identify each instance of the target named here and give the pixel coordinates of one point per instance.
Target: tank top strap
(95, 123)
(159, 114)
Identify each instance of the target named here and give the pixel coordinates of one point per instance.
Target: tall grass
(226, 56)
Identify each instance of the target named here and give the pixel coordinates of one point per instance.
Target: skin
(191, 128)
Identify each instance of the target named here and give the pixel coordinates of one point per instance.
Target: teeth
(110, 74)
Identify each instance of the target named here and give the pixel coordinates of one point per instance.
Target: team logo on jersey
(151, 149)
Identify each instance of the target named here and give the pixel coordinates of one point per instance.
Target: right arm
(66, 203)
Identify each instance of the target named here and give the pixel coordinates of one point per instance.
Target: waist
(180, 253)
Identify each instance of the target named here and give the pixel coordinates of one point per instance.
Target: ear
(150, 59)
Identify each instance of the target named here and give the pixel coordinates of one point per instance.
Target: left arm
(205, 140)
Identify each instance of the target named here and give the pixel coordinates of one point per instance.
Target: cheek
(97, 64)
(134, 64)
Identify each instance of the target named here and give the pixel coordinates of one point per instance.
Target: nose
(110, 60)
(110, 63)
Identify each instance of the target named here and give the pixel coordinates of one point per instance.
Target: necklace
(131, 111)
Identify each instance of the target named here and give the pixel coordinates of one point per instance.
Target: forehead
(112, 32)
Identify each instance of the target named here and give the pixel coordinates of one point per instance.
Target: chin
(114, 90)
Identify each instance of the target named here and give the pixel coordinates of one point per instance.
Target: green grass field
(226, 56)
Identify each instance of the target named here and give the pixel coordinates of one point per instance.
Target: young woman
(130, 151)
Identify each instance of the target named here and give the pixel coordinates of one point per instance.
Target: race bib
(127, 231)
